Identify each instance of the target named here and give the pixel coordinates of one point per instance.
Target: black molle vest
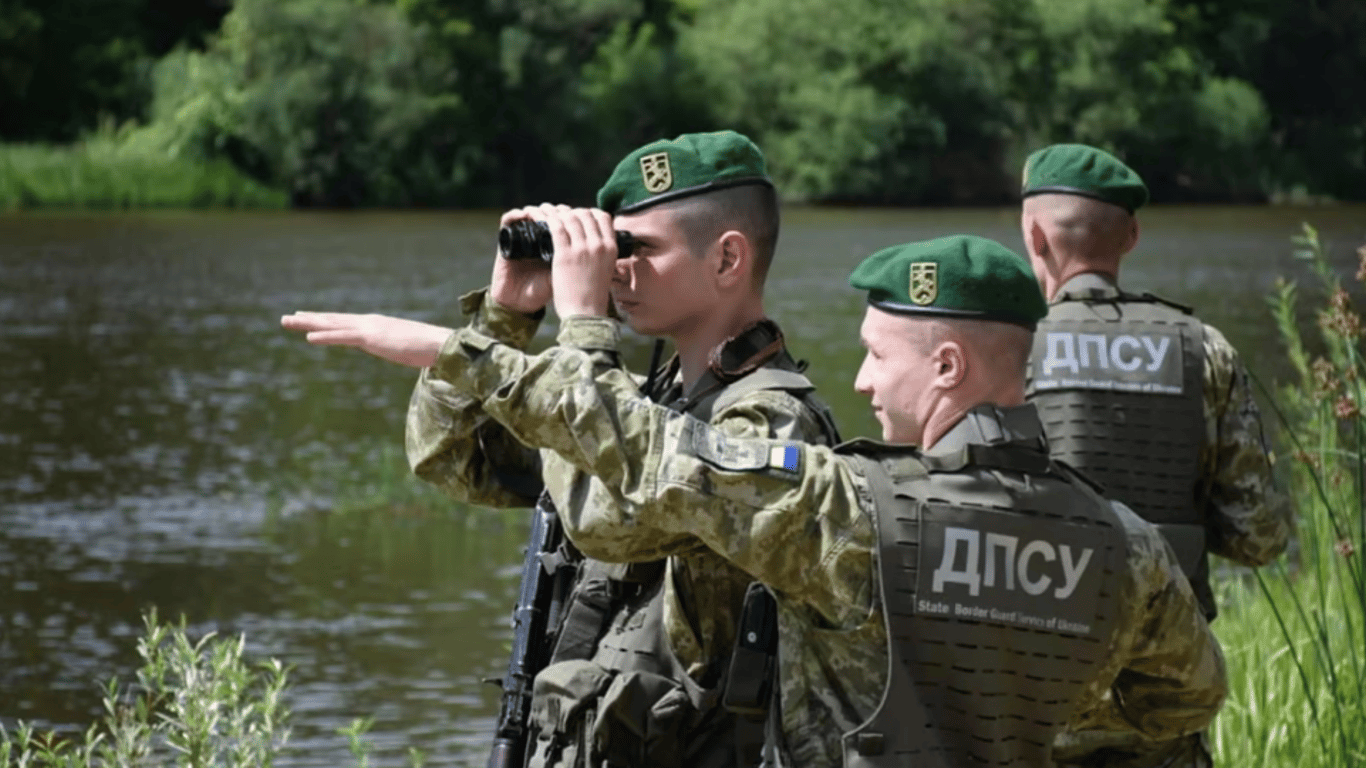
(1118, 382)
(999, 574)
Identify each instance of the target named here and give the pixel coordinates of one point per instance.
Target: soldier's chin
(637, 323)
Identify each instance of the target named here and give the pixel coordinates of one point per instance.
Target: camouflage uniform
(807, 532)
(1246, 519)
(452, 443)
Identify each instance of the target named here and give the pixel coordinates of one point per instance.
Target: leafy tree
(339, 102)
(1114, 73)
(1305, 60)
(887, 102)
(64, 63)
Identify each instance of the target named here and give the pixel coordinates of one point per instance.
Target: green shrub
(196, 704)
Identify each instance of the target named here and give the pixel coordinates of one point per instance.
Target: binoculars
(531, 240)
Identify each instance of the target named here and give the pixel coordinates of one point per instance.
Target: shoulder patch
(742, 455)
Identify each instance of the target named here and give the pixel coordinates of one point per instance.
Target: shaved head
(1080, 227)
(1067, 235)
(1001, 350)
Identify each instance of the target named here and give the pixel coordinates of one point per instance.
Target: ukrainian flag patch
(783, 457)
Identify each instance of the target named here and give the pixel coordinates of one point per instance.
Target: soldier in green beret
(640, 671)
(947, 596)
(1138, 393)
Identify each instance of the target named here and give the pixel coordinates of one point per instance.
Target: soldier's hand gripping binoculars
(531, 240)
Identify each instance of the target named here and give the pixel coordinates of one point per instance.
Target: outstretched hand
(406, 342)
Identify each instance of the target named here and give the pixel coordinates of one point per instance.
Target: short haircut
(1080, 226)
(1004, 346)
(751, 209)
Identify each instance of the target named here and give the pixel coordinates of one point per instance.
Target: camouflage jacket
(799, 518)
(453, 444)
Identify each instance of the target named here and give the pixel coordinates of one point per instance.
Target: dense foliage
(495, 102)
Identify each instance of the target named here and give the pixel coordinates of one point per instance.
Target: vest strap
(865, 745)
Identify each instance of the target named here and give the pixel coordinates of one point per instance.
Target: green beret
(961, 276)
(1076, 169)
(691, 164)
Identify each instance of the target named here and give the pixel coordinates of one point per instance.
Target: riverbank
(101, 175)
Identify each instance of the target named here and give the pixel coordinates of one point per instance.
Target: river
(163, 443)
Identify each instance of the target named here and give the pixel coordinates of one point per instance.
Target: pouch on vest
(749, 682)
(562, 702)
(642, 720)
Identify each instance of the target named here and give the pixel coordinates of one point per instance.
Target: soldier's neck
(1073, 267)
(695, 347)
(1004, 392)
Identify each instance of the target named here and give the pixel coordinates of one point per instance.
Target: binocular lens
(531, 240)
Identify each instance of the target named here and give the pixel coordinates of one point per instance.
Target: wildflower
(1326, 380)
(1345, 548)
(1340, 318)
(1346, 408)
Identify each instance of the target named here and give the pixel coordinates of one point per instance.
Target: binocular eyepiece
(531, 240)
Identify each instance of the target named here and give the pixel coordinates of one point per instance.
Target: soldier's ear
(952, 365)
(735, 257)
(1132, 239)
(1037, 241)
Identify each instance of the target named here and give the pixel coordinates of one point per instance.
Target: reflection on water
(163, 443)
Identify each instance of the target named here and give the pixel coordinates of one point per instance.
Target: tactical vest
(1118, 382)
(999, 573)
(614, 622)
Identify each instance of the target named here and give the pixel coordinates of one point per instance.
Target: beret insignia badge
(924, 282)
(655, 172)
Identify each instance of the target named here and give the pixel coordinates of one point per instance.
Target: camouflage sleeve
(1171, 676)
(451, 442)
(1249, 519)
(772, 414)
(790, 515)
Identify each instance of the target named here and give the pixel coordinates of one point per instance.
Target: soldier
(949, 605)
(1139, 394)
(645, 647)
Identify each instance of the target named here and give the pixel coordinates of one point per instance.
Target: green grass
(100, 174)
(1295, 636)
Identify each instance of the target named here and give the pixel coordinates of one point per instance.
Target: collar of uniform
(1088, 285)
(990, 425)
(746, 351)
(735, 358)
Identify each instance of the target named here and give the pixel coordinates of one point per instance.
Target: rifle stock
(545, 580)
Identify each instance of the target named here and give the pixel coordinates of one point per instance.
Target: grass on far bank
(101, 174)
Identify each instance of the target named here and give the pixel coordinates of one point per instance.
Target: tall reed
(1295, 635)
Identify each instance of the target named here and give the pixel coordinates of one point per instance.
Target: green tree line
(499, 102)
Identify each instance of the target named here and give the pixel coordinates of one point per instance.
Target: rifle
(547, 576)
(546, 579)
